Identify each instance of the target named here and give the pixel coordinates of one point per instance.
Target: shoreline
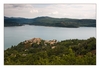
(47, 26)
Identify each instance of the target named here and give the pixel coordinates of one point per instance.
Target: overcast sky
(78, 11)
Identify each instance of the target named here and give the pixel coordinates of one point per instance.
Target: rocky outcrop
(38, 40)
(34, 40)
(51, 42)
(53, 47)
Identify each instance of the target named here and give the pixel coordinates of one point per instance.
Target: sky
(63, 10)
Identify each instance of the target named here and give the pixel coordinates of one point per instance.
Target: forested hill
(12, 21)
(49, 21)
(37, 51)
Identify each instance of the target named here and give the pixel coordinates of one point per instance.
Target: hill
(12, 21)
(37, 51)
(49, 21)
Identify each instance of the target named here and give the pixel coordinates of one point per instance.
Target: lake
(17, 34)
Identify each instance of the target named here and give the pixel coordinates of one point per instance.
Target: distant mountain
(49, 21)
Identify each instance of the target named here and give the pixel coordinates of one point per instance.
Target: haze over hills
(49, 21)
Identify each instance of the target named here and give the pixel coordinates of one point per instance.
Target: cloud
(18, 5)
(34, 11)
(55, 12)
(79, 11)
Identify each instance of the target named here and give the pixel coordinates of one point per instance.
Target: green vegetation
(67, 52)
(49, 21)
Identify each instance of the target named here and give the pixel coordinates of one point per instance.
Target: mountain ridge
(49, 21)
